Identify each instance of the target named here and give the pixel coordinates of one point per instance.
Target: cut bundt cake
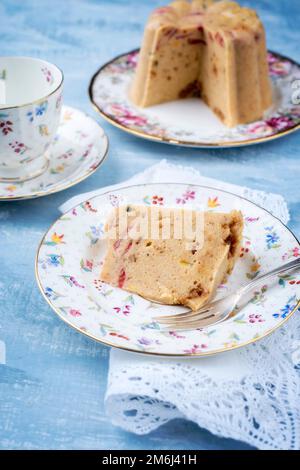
(170, 55)
(213, 50)
(175, 269)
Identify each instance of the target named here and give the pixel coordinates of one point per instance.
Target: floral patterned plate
(164, 123)
(70, 255)
(79, 147)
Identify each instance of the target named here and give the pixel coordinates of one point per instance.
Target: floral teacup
(30, 105)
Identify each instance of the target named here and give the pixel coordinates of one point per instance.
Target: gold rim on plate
(149, 353)
(183, 143)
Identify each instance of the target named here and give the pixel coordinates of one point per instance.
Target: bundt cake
(201, 48)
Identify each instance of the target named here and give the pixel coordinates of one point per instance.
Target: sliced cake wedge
(172, 268)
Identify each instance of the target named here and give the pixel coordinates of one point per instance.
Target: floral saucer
(79, 147)
(71, 253)
(164, 123)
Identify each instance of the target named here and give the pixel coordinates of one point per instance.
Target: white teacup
(30, 105)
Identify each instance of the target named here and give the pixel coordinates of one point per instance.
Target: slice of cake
(213, 50)
(174, 269)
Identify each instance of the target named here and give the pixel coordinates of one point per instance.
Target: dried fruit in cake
(172, 269)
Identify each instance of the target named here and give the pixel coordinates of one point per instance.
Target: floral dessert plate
(79, 147)
(190, 122)
(71, 253)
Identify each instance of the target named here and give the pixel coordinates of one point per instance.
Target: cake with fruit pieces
(216, 51)
(175, 270)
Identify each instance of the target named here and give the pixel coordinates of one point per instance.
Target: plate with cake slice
(111, 265)
(203, 77)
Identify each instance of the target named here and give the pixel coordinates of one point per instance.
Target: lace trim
(261, 407)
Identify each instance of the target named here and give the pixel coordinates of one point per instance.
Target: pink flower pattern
(157, 200)
(127, 117)
(255, 318)
(18, 147)
(48, 75)
(6, 127)
(293, 253)
(188, 195)
(74, 312)
(125, 310)
(195, 349)
(280, 123)
(278, 67)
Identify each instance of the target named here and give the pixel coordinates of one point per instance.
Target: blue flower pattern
(95, 233)
(97, 230)
(40, 110)
(287, 309)
(30, 116)
(55, 260)
(51, 294)
(272, 239)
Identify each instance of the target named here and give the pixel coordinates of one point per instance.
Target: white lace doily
(251, 394)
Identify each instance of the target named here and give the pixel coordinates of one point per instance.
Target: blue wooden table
(53, 380)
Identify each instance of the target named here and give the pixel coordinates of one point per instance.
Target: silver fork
(219, 310)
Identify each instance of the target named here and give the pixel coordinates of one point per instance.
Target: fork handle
(292, 265)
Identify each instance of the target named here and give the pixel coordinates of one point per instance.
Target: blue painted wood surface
(53, 383)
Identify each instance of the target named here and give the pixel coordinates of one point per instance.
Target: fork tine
(192, 317)
(199, 321)
(190, 313)
(184, 315)
(211, 320)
